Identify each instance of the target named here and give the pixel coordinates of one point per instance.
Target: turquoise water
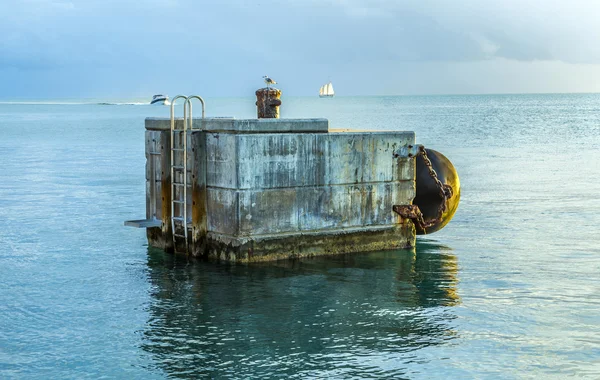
(509, 289)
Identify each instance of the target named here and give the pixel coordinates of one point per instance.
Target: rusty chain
(445, 190)
(412, 211)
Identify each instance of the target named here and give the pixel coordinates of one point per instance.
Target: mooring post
(268, 102)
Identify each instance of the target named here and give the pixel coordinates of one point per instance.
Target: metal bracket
(408, 151)
(143, 223)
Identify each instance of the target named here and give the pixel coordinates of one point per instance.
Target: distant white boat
(160, 99)
(326, 91)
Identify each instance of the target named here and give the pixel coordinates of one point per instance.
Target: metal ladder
(179, 172)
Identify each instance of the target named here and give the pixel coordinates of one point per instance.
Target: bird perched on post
(269, 81)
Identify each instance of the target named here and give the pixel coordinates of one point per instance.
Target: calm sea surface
(509, 289)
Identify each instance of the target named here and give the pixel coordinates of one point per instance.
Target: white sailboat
(326, 91)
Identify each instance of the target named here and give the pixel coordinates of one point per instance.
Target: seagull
(269, 81)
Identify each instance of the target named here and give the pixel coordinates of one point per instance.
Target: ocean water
(509, 289)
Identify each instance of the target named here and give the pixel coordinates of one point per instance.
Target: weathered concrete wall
(275, 183)
(263, 193)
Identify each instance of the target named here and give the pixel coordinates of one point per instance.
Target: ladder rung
(179, 167)
(179, 184)
(178, 149)
(183, 236)
(178, 201)
(181, 219)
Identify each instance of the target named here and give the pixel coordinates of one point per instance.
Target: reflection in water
(351, 315)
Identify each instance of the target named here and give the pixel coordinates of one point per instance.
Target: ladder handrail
(173, 110)
(184, 165)
(189, 101)
(187, 125)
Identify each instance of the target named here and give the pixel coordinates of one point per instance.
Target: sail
(330, 89)
(326, 90)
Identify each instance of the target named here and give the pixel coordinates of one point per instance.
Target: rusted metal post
(268, 102)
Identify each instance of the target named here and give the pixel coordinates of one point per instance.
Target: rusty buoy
(428, 197)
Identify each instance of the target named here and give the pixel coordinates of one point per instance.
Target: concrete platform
(269, 189)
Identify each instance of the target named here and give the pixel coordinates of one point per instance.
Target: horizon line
(95, 100)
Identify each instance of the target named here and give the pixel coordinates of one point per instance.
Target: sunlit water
(509, 289)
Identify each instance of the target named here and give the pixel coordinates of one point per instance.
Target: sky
(127, 48)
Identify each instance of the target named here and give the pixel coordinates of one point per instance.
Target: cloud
(194, 42)
(513, 29)
(59, 32)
